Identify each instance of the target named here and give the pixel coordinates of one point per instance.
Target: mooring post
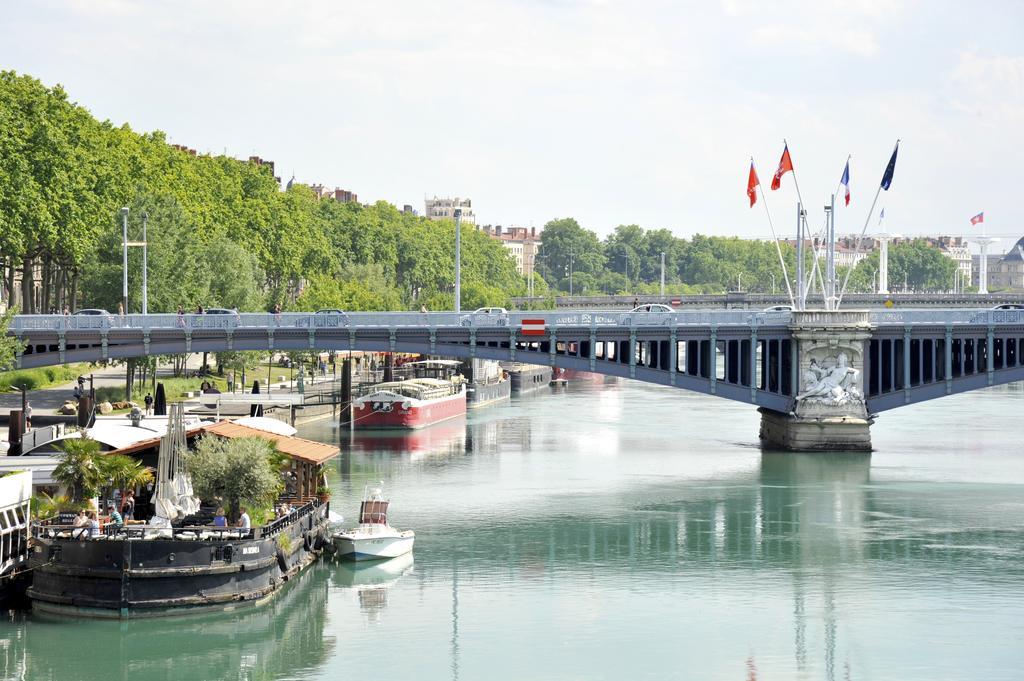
(346, 392)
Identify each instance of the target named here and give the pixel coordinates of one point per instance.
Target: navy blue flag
(890, 169)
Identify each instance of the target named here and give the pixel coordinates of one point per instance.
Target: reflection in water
(285, 637)
(371, 581)
(623, 531)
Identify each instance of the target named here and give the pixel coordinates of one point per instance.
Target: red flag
(752, 183)
(980, 217)
(785, 165)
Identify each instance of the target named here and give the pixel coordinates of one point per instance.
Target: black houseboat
(138, 571)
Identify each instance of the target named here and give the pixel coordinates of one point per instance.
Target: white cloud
(990, 87)
(610, 112)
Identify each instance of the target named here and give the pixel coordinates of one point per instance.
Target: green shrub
(44, 377)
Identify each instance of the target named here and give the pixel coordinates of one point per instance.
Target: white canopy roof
(267, 424)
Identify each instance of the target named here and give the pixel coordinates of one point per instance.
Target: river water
(626, 531)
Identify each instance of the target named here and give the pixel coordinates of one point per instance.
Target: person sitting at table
(94, 524)
(219, 520)
(81, 524)
(116, 522)
(243, 520)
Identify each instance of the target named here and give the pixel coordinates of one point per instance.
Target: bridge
(819, 377)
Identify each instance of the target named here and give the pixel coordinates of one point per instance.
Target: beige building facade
(444, 209)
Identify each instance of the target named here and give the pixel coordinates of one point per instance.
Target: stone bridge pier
(829, 412)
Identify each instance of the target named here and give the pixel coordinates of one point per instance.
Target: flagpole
(778, 249)
(793, 170)
(822, 234)
(802, 227)
(856, 248)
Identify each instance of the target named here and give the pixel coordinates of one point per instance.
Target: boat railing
(48, 529)
(308, 507)
(42, 530)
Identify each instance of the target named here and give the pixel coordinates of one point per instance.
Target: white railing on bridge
(390, 320)
(440, 320)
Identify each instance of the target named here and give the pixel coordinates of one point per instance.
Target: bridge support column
(829, 412)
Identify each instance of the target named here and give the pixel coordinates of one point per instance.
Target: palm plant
(124, 472)
(80, 470)
(47, 506)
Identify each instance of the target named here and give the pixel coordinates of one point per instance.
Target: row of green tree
(221, 231)
(629, 261)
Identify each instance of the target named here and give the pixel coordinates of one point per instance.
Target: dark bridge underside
(757, 366)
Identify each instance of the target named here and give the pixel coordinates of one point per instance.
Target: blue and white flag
(846, 181)
(881, 216)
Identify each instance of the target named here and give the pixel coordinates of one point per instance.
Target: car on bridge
(486, 316)
(92, 318)
(1009, 306)
(651, 314)
(324, 319)
(216, 318)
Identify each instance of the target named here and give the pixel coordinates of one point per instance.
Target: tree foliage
(235, 472)
(914, 264)
(221, 232)
(8, 344)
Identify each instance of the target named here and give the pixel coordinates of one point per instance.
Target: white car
(652, 307)
(650, 314)
(91, 318)
(486, 316)
(327, 318)
(217, 318)
(779, 308)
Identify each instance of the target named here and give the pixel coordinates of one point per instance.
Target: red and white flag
(532, 327)
(752, 183)
(785, 165)
(980, 217)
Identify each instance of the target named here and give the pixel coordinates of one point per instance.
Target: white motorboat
(374, 538)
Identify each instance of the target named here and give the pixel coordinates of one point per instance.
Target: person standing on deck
(128, 506)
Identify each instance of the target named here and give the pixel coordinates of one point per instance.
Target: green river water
(625, 531)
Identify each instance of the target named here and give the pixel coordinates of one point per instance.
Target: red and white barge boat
(412, 403)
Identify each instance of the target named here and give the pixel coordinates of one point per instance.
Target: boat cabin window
(373, 512)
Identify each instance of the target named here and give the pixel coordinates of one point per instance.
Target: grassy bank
(44, 377)
(174, 388)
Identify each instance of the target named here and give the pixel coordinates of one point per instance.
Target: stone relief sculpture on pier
(832, 383)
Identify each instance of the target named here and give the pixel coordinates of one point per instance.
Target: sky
(612, 113)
